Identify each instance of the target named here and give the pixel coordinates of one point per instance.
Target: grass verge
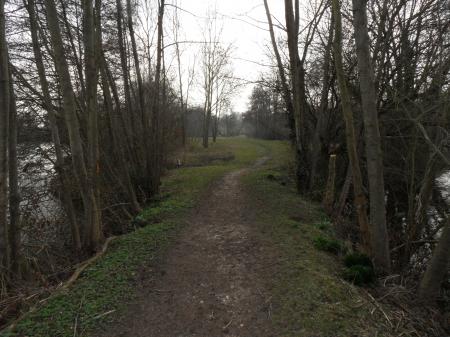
(310, 298)
(107, 285)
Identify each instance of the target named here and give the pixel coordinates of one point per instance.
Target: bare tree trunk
(70, 113)
(292, 27)
(4, 127)
(77, 60)
(437, 269)
(62, 174)
(343, 196)
(183, 111)
(117, 139)
(378, 229)
(93, 234)
(216, 115)
(14, 196)
(320, 126)
(329, 191)
(136, 63)
(298, 90)
(143, 128)
(284, 84)
(207, 116)
(126, 82)
(156, 123)
(206, 124)
(360, 200)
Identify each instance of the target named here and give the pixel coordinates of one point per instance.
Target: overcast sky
(244, 25)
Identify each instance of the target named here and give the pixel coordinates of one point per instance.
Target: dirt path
(212, 280)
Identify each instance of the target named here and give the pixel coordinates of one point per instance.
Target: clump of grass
(328, 245)
(359, 275)
(356, 258)
(294, 224)
(323, 225)
(359, 269)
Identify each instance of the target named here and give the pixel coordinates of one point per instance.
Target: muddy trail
(212, 280)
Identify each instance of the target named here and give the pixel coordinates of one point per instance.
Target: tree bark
(437, 269)
(70, 113)
(143, 128)
(128, 111)
(14, 196)
(60, 169)
(284, 84)
(378, 229)
(330, 189)
(93, 235)
(321, 117)
(117, 139)
(4, 135)
(156, 123)
(360, 200)
(298, 91)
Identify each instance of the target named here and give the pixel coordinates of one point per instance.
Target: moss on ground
(107, 285)
(309, 296)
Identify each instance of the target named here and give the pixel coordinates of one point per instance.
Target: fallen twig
(87, 263)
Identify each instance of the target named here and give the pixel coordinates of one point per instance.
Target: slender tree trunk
(437, 269)
(180, 81)
(378, 229)
(321, 113)
(284, 84)
(93, 233)
(329, 191)
(156, 117)
(343, 196)
(136, 63)
(216, 116)
(118, 139)
(128, 111)
(60, 169)
(360, 200)
(70, 113)
(14, 196)
(4, 127)
(207, 116)
(143, 128)
(206, 125)
(298, 91)
(76, 58)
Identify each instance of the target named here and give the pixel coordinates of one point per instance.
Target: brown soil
(212, 281)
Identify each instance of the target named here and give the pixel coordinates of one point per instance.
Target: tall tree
(71, 118)
(93, 232)
(60, 169)
(438, 267)
(360, 200)
(378, 231)
(283, 81)
(319, 130)
(13, 184)
(4, 127)
(297, 71)
(155, 171)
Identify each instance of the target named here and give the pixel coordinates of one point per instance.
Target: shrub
(356, 258)
(328, 245)
(359, 274)
(324, 225)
